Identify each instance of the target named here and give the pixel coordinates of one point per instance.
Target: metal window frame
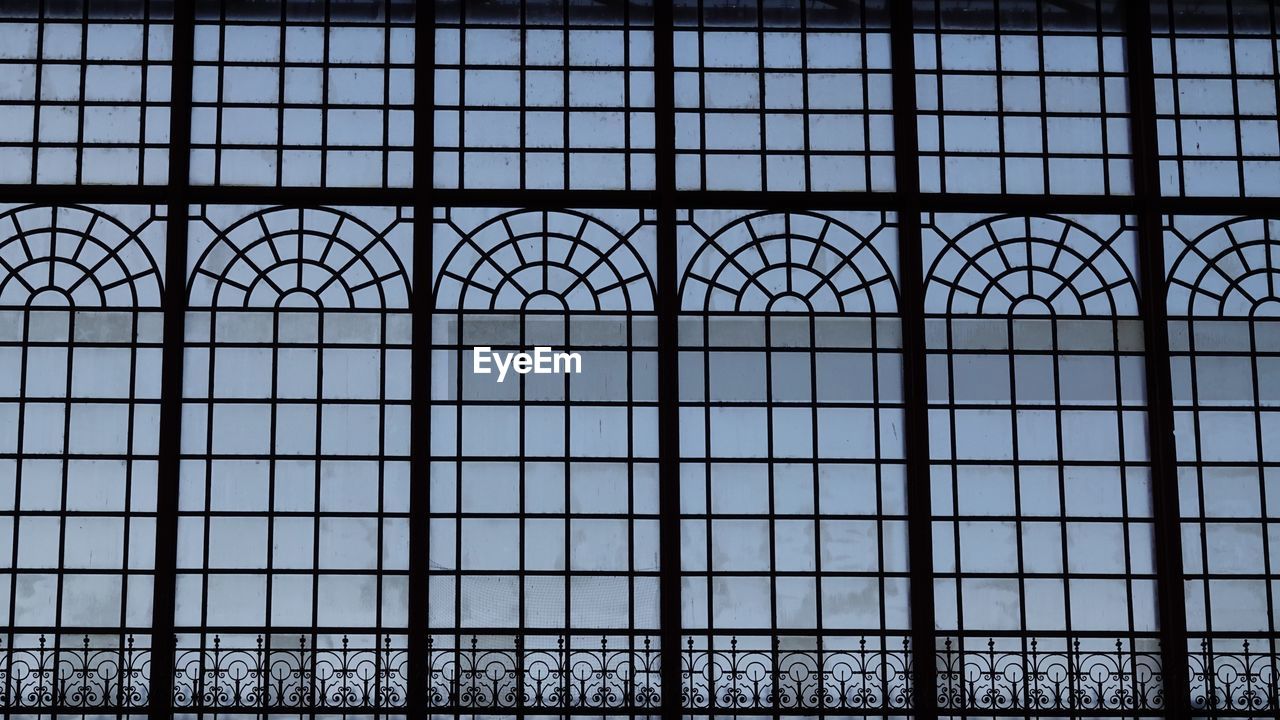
(1147, 204)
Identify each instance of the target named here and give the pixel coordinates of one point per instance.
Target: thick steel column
(1164, 471)
(924, 697)
(175, 306)
(668, 306)
(422, 305)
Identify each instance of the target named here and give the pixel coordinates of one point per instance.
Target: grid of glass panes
(1022, 97)
(776, 96)
(1225, 352)
(1043, 527)
(1216, 86)
(1015, 96)
(294, 495)
(792, 482)
(544, 487)
(543, 95)
(84, 92)
(311, 93)
(80, 335)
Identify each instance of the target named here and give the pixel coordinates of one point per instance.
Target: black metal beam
(911, 306)
(640, 199)
(1160, 438)
(421, 305)
(668, 307)
(163, 609)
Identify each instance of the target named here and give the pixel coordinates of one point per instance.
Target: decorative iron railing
(612, 673)
(298, 677)
(50, 675)
(1066, 679)
(862, 677)
(543, 672)
(1244, 682)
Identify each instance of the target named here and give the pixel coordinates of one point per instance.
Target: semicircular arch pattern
(1037, 265)
(77, 256)
(792, 261)
(543, 260)
(314, 257)
(1231, 269)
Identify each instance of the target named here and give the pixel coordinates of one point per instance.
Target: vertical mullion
(163, 647)
(422, 305)
(1168, 541)
(911, 303)
(668, 305)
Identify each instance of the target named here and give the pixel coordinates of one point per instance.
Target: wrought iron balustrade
(1228, 682)
(303, 676)
(862, 677)
(542, 672)
(624, 674)
(49, 675)
(1067, 678)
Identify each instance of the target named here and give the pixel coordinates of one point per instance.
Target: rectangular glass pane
(544, 95)
(1022, 97)
(304, 92)
(1216, 84)
(84, 92)
(783, 96)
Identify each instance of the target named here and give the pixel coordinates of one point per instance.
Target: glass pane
(1022, 97)
(783, 96)
(546, 95)
(1042, 517)
(303, 92)
(293, 523)
(1223, 335)
(543, 546)
(80, 356)
(84, 91)
(792, 482)
(1216, 84)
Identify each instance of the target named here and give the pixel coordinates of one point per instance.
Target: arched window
(792, 480)
(80, 339)
(1223, 304)
(544, 487)
(294, 498)
(1043, 527)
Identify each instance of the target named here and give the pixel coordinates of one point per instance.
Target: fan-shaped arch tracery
(1033, 265)
(75, 256)
(286, 257)
(544, 260)
(791, 261)
(1231, 269)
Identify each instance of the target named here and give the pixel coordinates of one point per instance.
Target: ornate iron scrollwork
(1071, 679)
(342, 677)
(45, 676)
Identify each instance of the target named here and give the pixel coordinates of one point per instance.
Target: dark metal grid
(793, 482)
(543, 574)
(72, 602)
(1178, 691)
(1216, 88)
(294, 474)
(777, 97)
(1146, 197)
(86, 92)
(1032, 338)
(1016, 96)
(277, 83)
(1222, 332)
(535, 95)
